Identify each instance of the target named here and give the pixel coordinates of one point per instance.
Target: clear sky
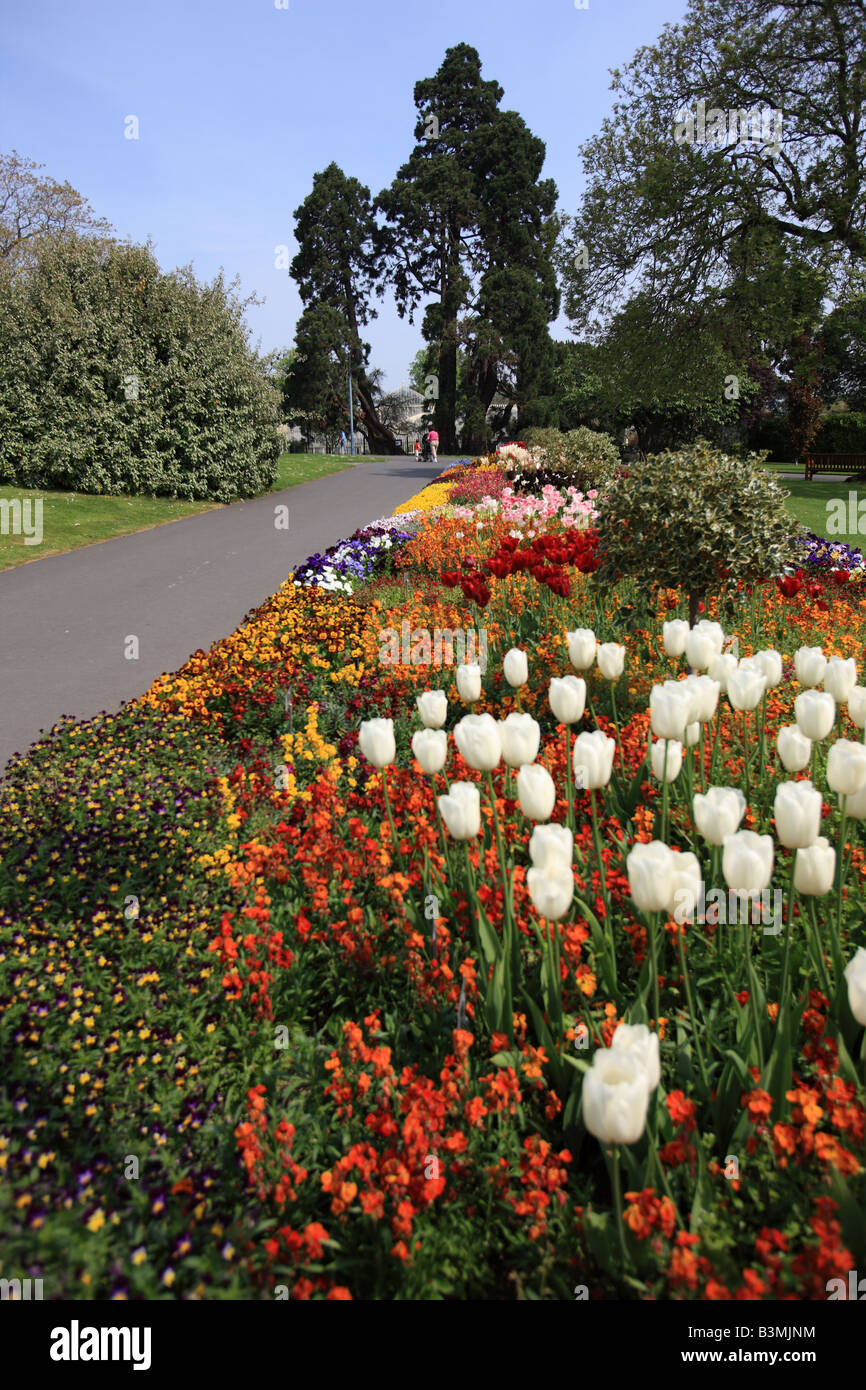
(240, 102)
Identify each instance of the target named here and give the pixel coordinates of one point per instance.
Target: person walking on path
(417, 448)
(342, 441)
(433, 437)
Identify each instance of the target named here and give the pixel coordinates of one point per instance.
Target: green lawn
(73, 519)
(811, 504)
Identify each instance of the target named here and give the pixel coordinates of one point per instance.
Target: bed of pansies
(330, 975)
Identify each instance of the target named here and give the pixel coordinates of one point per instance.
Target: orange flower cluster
(543, 1176)
(645, 1214)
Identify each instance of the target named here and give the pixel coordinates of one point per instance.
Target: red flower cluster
(547, 559)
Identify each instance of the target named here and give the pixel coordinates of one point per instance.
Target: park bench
(835, 463)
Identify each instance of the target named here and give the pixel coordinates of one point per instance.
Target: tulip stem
(653, 920)
(616, 726)
(569, 774)
(840, 868)
(817, 948)
(387, 801)
(746, 749)
(507, 913)
(787, 954)
(440, 825)
(691, 1003)
(617, 1198)
(718, 723)
(761, 736)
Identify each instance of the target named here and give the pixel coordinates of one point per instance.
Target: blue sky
(239, 103)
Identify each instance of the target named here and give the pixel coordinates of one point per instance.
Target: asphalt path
(66, 621)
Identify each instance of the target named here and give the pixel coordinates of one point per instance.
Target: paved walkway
(65, 620)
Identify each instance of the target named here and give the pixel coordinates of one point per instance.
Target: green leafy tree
(695, 519)
(665, 209)
(118, 378)
(338, 266)
(33, 207)
(469, 227)
(316, 383)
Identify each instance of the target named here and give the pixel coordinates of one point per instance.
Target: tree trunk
(445, 409)
(379, 436)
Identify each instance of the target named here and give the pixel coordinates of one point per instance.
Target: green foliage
(316, 383)
(668, 208)
(117, 378)
(470, 227)
(843, 433)
(337, 269)
(695, 519)
(591, 458)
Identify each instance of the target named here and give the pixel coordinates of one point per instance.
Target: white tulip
(855, 806)
(718, 813)
(693, 734)
(638, 1042)
(670, 708)
(581, 648)
(519, 736)
(747, 863)
(840, 678)
(815, 868)
(746, 688)
(430, 747)
(461, 810)
(721, 668)
(673, 751)
(567, 698)
(515, 667)
(536, 791)
(704, 696)
(770, 663)
(376, 741)
(713, 631)
(797, 812)
(815, 712)
(857, 705)
(551, 846)
(685, 887)
(700, 649)
(810, 663)
(469, 682)
(615, 1096)
(793, 747)
(611, 660)
(433, 708)
(649, 872)
(674, 636)
(855, 974)
(592, 760)
(552, 892)
(477, 737)
(846, 767)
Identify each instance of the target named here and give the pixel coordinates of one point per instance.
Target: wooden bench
(835, 463)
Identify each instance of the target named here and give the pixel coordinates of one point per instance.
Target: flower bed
(312, 953)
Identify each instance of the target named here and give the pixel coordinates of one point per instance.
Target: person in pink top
(433, 437)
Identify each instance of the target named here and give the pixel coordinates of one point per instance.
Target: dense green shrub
(589, 457)
(695, 519)
(115, 377)
(842, 433)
